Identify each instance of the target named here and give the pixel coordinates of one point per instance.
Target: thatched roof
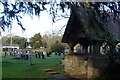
(85, 24)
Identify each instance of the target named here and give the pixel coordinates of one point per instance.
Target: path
(57, 75)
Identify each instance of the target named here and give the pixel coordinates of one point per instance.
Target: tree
(21, 41)
(57, 47)
(12, 11)
(49, 39)
(36, 41)
(4, 38)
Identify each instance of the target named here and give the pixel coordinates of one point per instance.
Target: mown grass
(19, 68)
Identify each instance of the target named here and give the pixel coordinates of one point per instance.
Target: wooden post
(85, 49)
(96, 46)
(71, 50)
(71, 47)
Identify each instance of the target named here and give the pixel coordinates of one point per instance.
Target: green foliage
(36, 41)
(21, 41)
(11, 10)
(57, 47)
(5, 49)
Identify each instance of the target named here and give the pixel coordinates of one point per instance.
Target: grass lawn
(19, 68)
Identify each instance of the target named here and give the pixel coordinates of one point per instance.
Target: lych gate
(84, 29)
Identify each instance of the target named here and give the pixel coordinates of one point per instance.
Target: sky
(34, 25)
(42, 25)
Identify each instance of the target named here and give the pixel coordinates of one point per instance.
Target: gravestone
(10, 53)
(43, 56)
(26, 56)
(22, 55)
(56, 53)
(59, 53)
(18, 54)
(48, 54)
(39, 56)
(5, 54)
(29, 59)
(36, 55)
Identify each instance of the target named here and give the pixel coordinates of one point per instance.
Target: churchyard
(20, 67)
(93, 26)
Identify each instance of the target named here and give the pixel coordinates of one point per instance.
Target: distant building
(9, 46)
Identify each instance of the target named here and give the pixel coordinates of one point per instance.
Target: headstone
(63, 53)
(59, 53)
(10, 53)
(14, 53)
(22, 55)
(48, 54)
(43, 56)
(5, 54)
(27, 56)
(35, 55)
(39, 56)
(29, 59)
(18, 55)
(56, 53)
(44, 53)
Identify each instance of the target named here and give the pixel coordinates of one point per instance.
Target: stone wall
(85, 65)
